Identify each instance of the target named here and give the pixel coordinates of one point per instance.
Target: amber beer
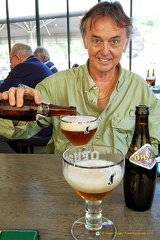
(149, 80)
(79, 129)
(96, 182)
(92, 196)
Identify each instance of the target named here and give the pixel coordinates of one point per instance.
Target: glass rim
(80, 122)
(96, 167)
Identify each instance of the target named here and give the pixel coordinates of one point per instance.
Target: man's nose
(105, 49)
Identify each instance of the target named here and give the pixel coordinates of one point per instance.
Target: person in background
(25, 68)
(43, 55)
(101, 87)
(75, 65)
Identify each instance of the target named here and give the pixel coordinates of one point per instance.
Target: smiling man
(101, 87)
(106, 43)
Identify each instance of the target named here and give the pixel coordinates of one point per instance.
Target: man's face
(105, 43)
(14, 60)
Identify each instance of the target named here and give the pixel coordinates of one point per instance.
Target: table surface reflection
(34, 195)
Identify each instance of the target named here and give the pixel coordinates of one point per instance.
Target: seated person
(25, 68)
(75, 65)
(43, 55)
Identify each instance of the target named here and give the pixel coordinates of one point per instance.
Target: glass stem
(93, 215)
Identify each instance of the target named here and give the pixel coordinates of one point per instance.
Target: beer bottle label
(144, 157)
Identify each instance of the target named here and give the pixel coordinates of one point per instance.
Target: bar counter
(34, 195)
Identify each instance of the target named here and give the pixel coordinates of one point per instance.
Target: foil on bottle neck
(42, 110)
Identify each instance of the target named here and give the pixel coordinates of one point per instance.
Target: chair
(27, 145)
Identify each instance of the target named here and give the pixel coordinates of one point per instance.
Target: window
(62, 37)
(79, 54)
(23, 28)
(145, 39)
(4, 58)
(146, 20)
(54, 33)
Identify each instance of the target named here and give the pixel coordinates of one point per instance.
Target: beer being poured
(32, 111)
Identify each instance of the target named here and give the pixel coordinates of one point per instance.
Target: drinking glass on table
(149, 80)
(79, 129)
(93, 171)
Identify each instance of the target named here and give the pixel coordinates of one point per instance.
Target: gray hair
(22, 50)
(113, 10)
(42, 52)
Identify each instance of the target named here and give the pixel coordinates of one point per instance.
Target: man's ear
(20, 59)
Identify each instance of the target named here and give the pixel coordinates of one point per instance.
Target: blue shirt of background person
(25, 68)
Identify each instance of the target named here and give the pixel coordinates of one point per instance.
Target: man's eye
(114, 41)
(96, 40)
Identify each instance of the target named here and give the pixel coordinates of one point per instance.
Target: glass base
(107, 232)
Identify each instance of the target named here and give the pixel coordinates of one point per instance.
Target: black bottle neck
(141, 132)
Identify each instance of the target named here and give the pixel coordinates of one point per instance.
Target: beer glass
(93, 171)
(79, 129)
(149, 80)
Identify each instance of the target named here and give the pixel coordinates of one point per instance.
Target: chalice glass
(79, 129)
(93, 171)
(149, 80)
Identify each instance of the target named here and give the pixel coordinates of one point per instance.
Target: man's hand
(16, 95)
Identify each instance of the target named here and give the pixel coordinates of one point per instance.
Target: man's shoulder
(34, 64)
(131, 77)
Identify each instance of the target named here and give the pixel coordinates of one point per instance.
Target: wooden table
(34, 195)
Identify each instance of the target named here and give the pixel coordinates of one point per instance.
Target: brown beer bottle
(140, 167)
(154, 78)
(31, 111)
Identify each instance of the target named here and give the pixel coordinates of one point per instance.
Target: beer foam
(93, 180)
(78, 123)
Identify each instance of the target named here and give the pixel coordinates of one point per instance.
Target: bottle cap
(142, 109)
